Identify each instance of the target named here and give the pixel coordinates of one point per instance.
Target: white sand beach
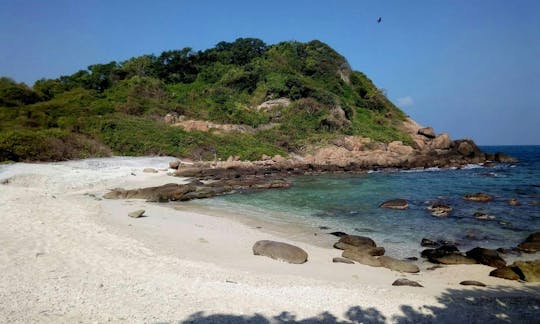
(68, 256)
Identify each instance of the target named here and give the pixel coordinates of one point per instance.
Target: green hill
(119, 108)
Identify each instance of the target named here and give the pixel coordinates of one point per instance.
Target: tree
(13, 94)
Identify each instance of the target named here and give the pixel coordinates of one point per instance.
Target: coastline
(69, 256)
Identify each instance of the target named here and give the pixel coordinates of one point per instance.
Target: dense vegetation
(118, 108)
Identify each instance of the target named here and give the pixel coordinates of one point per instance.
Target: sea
(350, 203)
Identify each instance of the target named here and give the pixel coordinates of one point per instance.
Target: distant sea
(349, 203)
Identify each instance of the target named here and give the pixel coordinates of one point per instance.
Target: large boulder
(357, 240)
(427, 132)
(531, 243)
(465, 148)
(398, 265)
(280, 251)
(442, 142)
(478, 197)
(505, 273)
(432, 254)
(455, 258)
(361, 257)
(528, 270)
(399, 204)
(486, 256)
(524, 270)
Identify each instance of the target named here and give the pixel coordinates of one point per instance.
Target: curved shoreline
(68, 256)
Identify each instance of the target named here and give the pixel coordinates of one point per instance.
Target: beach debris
(406, 282)
(398, 265)
(150, 170)
(398, 204)
(472, 283)
(342, 260)
(137, 213)
(280, 251)
(440, 210)
(478, 197)
(427, 132)
(514, 202)
(486, 256)
(361, 257)
(531, 243)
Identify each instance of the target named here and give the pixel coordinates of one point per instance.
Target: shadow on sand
(485, 305)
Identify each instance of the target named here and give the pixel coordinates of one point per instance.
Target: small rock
(478, 197)
(398, 204)
(406, 282)
(472, 283)
(280, 251)
(483, 216)
(342, 260)
(137, 213)
(150, 170)
(174, 164)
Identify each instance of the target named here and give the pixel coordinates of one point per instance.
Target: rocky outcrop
(196, 190)
(478, 197)
(427, 132)
(531, 243)
(280, 251)
(272, 104)
(486, 256)
(406, 282)
(399, 204)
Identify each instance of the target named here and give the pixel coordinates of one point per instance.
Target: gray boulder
(280, 251)
(137, 213)
(398, 265)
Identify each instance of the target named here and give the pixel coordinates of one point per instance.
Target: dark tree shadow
(483, 305)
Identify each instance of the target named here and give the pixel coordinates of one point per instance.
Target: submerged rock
(399, 204)
(486, 256)
(478, 197)
(280, 251)
(406, 282)
(531, 243)
(483, 216)
(440, 210)
(429, 243)
(514, 202)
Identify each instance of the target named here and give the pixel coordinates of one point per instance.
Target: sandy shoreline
(67, 257)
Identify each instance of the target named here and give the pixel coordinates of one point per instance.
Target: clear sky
(467, 67)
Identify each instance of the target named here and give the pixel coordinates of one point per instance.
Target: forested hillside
(119, 107)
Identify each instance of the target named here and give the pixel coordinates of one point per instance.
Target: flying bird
(379, 20)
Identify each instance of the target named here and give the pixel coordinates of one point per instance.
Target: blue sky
(470, 68)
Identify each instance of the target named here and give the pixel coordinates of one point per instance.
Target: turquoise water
(350, 203)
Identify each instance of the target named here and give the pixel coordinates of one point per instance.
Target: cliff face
(242, 100)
